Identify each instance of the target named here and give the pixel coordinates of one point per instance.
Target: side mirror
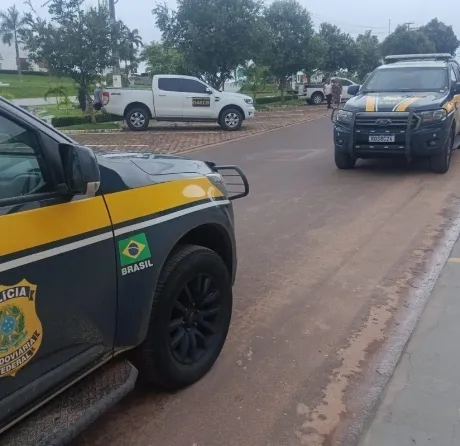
(209, 90)
(456, 88)
(353, 90)
(81, 169)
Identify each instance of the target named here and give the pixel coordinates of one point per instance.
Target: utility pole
(389, 26)
(113, 26)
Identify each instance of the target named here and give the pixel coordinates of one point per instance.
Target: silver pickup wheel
(231, 119)
(137, 118)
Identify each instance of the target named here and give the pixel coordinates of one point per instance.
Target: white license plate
(381, 138)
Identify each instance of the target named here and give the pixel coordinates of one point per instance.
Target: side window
(20, 172)
(345, 82)
(453, 76)
(192, 86)
(169, 83)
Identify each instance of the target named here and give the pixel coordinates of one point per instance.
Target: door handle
(161, 95)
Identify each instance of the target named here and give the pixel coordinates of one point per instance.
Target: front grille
(376, 121)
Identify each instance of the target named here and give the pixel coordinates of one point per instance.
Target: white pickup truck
(313, 93)
(177, 98)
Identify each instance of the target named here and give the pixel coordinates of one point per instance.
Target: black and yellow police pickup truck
(408, 107)
(109, 266)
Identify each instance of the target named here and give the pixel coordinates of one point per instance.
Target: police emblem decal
(20, 327)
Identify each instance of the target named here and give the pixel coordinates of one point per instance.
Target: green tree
(317, 50)
(12, 29)
(369, 52)
(405, 41)
(443, 36)
(75, 42)
(214, 36)
(59, 92)
(289, 30)
(342, 51)
(163, 59)
(129, 43)
(256, 78)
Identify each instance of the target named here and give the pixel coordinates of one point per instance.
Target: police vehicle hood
(396, 101)
(157, 164)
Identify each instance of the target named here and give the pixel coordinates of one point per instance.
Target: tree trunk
(90, 108)
(18, 60)
(282, 82)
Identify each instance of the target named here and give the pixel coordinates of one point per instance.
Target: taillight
(105, 97)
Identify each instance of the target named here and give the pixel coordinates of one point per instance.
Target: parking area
(182, 137)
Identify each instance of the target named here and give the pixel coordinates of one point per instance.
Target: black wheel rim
(195, 320)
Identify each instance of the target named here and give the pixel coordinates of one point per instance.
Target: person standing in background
(97, 94)
(336, 92)
(327, 90)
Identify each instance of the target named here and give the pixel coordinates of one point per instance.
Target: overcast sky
(352, 16)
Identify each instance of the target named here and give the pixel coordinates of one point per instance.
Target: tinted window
(453, 75)
(169, 84)
(407, 79)
(20, 173)
(344, 82)
(191, 86)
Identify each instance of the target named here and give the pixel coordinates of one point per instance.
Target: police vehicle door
(57, 270)
(197, 101)
(455, 77)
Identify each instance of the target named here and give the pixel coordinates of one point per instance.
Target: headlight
(429, 117)
(248, 100)
(344, 117)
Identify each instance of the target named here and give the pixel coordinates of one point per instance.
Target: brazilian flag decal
(134, 249)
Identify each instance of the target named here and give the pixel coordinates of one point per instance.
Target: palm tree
(130, 43)
(12, 26)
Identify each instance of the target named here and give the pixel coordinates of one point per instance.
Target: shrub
(64, 121)
(262, 101)
(26, 72)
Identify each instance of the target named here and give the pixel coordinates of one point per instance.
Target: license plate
(381, 138)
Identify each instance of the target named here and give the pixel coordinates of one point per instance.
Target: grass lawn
(33, 86)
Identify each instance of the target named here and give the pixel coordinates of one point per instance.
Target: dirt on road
(326, 262)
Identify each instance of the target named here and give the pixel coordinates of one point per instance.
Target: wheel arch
(227, 107)
(137, 105)
(213, 237)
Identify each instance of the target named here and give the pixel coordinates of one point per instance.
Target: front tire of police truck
(343, 160)
(441, 163)
(189, 321)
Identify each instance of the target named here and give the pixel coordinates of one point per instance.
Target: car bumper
(409, 142)
(249, 112)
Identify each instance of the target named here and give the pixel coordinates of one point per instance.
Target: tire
(231, 119)
(343, 160)
(441, 163)
(309, 102)
(137, 118)
(166, 359)
(317, 98)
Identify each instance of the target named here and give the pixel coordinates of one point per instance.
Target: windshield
(407, 79)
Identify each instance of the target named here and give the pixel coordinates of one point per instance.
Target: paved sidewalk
(421, 406)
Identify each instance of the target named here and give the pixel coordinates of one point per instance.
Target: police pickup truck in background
(109, 265)
(178, 98)
(409, 107)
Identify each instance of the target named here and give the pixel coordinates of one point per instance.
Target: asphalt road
(326, 258)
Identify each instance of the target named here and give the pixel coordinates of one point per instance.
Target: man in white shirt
(327, 90)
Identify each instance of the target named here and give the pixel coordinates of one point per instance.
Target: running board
(64, 417)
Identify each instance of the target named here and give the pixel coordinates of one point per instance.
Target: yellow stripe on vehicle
(148, 200)
(404, 104)
(370, 103)
(449, 106)
(29, 229)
